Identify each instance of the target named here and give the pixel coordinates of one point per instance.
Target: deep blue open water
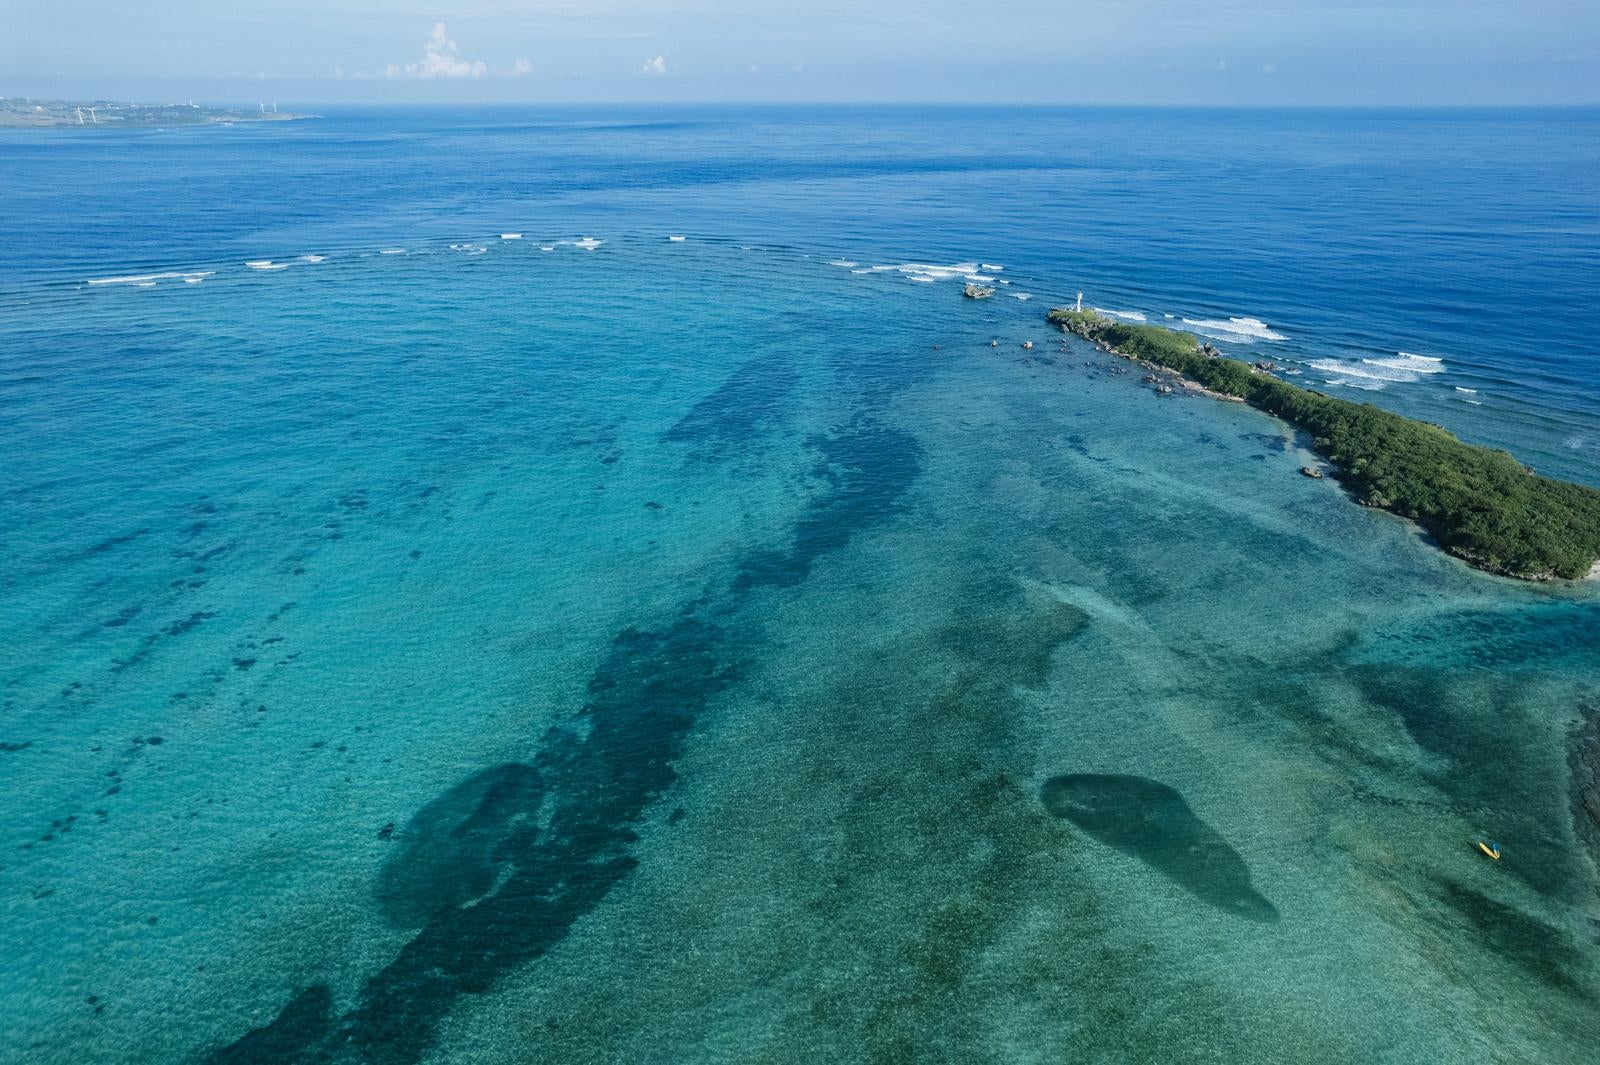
(447, 618)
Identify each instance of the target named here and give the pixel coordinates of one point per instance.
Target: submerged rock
(1312, 472)
(1147, 820)
(977, 292)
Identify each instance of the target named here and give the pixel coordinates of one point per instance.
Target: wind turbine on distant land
(92, 116)
(80, 116)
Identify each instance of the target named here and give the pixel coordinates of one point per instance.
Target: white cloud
(520, 69)
(654, 67)
(441, 58)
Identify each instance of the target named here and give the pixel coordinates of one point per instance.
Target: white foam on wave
(1468, 391)
(1127, 316)
(313, 258)
(1404, 360)
(846, 263)
(266, 264)
(143, 280)
(1247, 329)
(587, 243)
(511, 236)
(929, 271)
(1022, 295)
(991, 266)
(980, 278)
(1366, 384)
(547, 247)
(1353, 371)
(392, 251)
(677, 240)
(1403, 369)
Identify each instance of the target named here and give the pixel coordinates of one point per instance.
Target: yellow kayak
(1490, 849)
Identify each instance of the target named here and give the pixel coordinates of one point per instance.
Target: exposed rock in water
(977, 292)
(1312, 472)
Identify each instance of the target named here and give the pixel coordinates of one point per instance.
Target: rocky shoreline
(1163, 377)
(1478, 504)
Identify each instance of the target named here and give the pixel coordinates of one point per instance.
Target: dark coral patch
(741, 406)
(188, 624)
(868, 469)
(304, 1022)
(453, 848)
(126, 615)
(1149, 821)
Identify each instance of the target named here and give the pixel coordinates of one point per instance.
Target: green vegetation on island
(24, 113)
(1478, 503)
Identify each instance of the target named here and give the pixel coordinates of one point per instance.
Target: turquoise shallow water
(701, 650)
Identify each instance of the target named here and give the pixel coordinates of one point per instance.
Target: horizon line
(865, 102)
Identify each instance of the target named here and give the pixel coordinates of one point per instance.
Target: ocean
(583, 585)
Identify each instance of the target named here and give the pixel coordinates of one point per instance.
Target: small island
(1479, 504)
(22, 113)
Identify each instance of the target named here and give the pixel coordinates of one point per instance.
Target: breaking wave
(1404, 368)
(1246, 330)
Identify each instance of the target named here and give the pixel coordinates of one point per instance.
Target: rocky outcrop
(1311, 471)
(977, 292)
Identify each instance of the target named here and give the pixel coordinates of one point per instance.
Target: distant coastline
(1481, 505)
(23, 113)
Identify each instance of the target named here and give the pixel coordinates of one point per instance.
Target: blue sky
(1070, 51)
